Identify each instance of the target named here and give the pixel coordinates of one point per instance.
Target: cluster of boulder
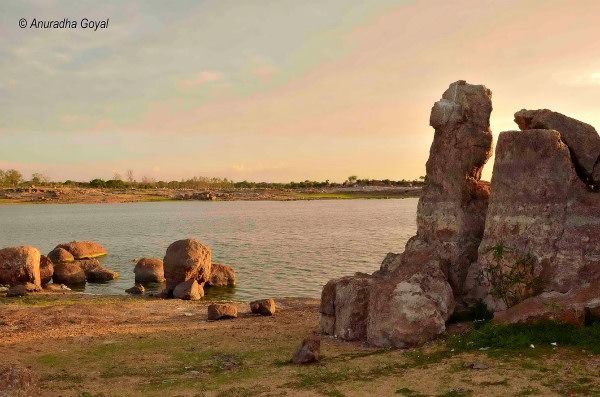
(224, 311)
(25, 270)
(527, 245)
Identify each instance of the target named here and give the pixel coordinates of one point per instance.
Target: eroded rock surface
(581, 139)
(84, 249)
(543, 223)
(185, 260)
(221, 276)
(20, 265)
(408, 301)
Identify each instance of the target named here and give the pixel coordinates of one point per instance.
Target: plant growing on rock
(510, 281)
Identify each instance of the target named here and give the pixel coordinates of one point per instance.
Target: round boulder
(137, 289)
(264, 307)
(188, 290)
(100, 275)
(149, 270)
(20, 265)
(60, 255)
(222, 311)
(308, 351)
(84, 249)
(69, 273)
(184, 260)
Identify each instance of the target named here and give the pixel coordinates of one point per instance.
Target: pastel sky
(276, 90)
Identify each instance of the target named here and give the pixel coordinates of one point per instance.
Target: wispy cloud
(202, 78)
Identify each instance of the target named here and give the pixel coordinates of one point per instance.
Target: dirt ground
(75, 345)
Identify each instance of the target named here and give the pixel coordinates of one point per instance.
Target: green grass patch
(520, 337)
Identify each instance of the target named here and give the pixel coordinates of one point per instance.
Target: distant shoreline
(78, 195)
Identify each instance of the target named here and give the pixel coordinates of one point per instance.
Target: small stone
(188, 290)
(308, 351)
(221, 311)
(477, 365)
(264, 307)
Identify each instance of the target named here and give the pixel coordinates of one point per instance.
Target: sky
(276, 90)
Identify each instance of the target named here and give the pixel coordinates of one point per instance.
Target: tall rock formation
(542, 233)
(409, 300)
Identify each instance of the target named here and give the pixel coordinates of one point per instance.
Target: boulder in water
(20, 265)
(149, 270)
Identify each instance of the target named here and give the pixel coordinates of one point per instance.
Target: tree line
(14, 178)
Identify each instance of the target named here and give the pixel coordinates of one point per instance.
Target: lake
(278, 248)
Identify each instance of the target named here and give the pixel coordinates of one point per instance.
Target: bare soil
(68, 344)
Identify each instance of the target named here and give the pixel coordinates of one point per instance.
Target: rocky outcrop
(221, 311)
(221, 276)
(83, 249)
(263, 307)
(581, 139)
(46, 269)
(185, 260)
(410, 298)
(149, 270)
(20, 265)
(542, 233)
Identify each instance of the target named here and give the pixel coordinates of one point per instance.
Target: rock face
(188, 290)
(69, 273)
(581, 139)
(222, 311)
(543, 223)
(221, 276)
(20, 265)
(149, 270)
(264, 307)
(60, 255)
(185, 260)
(409, 299)
(46, 269)
(84, 249)
(308, 352)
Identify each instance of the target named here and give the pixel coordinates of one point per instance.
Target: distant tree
(130, 177)
(351, 180)
(97, 183)
(12, 177)
(117, 177)
(115, 184)
(39, 178)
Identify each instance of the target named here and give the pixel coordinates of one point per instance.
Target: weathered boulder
(59, 255)
(309, 351)
(581, 139)
(188, 290)
(542, 230)
(408, 301)
(137, 289)
(84, 249)
(185, 260)
(222, 311)
(149, 270)
(410, 308)
(264, 307)
(56, 287)
(68, 273)
(46, 269)
(221, 276)
(20, 265)
(16, 291)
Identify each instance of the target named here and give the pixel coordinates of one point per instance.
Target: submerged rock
(149, 270)
(185, 260)
(137, 289)
(100, 275)
(69, 273)
(222, 311)
(221, 276)
(20, 265)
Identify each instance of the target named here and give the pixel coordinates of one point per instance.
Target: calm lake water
(277, 248)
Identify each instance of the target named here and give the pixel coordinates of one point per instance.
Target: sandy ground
(68, 195)
(74, 345)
